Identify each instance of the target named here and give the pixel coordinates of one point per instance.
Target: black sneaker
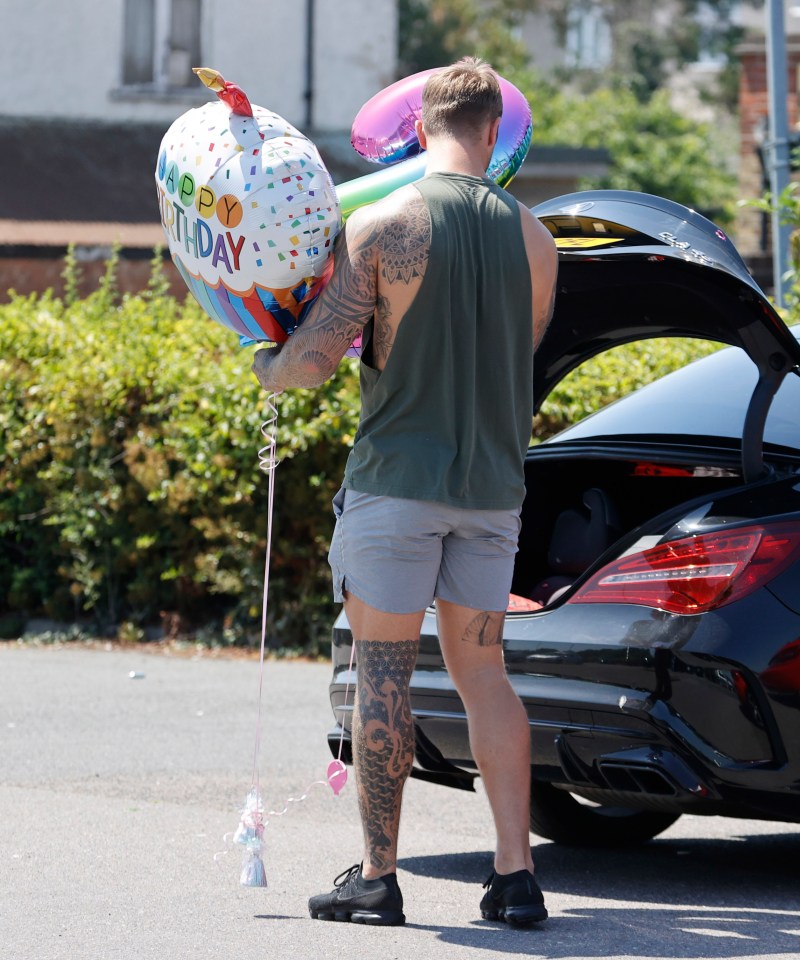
(377, 902)
(514, 898)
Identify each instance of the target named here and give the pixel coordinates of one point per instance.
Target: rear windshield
(707, 398)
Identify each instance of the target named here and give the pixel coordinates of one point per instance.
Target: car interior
(580, 534)
(568, 524)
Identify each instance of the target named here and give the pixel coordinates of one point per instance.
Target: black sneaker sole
(376, 918)
(517, 916)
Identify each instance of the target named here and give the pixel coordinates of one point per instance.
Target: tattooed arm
(380, 259)
(310, 356)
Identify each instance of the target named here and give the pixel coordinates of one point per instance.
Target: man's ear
(421, 136)
(494, 130)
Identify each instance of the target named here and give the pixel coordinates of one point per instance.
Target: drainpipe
(777, 152)
(309, 91)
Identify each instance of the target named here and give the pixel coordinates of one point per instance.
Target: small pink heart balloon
(337, 776)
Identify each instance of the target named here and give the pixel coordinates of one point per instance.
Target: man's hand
(312, 353)
(263, 368)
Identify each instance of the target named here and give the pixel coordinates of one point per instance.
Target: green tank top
(449, 418)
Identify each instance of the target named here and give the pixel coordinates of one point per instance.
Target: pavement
(124, 769)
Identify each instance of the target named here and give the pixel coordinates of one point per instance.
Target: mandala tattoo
(485, 630)
(405, 244)
(383, 741)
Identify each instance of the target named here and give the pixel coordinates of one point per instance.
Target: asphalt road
(116, 793)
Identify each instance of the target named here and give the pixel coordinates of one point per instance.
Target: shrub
(129, 432)
(131, 493)
(787, 205)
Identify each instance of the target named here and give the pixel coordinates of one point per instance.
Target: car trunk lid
(634, 266)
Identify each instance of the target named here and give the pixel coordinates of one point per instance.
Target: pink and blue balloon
(383, 133)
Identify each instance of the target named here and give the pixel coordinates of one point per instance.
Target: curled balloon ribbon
(253, 820)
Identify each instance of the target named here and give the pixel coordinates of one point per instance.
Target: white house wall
(58, 59)
(64, 59)
(356, 56)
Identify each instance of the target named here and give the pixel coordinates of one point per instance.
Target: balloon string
(267, 463)
(252, 823)
(290, 800)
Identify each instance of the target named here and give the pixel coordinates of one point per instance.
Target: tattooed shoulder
(404, 239)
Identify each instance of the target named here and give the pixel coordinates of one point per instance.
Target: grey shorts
(398, 555)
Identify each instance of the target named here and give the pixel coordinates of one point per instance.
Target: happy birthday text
(187, 208)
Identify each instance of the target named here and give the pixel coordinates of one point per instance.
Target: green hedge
(130, 492)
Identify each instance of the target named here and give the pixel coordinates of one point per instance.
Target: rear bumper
(686, 726)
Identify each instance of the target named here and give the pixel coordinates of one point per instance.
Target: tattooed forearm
(485, 630)
(383, 741)
(313, 352)
(394, 243)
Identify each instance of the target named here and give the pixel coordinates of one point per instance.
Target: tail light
(699, 573)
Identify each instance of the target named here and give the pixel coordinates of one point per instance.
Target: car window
(708, 398)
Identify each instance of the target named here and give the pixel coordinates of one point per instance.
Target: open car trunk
(582, 520)
(636, 267)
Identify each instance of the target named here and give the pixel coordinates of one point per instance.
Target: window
(588, 37)
(161, 43)
(711, 32)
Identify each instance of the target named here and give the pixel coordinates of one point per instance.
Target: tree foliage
(433, 33)
(651, 146)
(649, 42)
(787, 206)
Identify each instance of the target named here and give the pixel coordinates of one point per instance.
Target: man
(451, 282)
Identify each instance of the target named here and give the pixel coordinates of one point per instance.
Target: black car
(661, 536)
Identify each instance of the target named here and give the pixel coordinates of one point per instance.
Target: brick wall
(27, 275)
(752, 227)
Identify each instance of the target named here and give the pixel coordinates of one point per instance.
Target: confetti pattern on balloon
(249, 211)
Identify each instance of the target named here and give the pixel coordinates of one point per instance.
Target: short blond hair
(461, 98)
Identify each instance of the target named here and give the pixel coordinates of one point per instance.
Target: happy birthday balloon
(249, 212)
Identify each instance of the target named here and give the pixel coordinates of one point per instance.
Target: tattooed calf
(383, 740)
